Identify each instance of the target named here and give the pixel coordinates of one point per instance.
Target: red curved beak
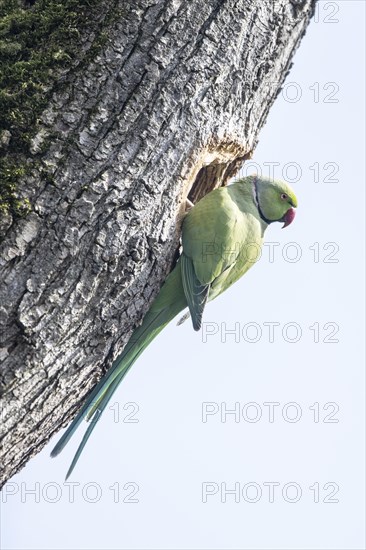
(288, 217)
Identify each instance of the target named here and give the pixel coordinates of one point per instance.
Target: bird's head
(275, 199)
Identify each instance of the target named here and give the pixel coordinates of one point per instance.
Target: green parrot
(221, 239)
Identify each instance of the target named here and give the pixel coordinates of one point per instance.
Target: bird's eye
(284, 197)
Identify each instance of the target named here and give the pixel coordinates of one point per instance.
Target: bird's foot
(189, 205)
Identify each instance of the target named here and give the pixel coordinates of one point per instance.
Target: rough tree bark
(168, 107)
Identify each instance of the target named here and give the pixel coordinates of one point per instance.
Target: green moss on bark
(37, 45)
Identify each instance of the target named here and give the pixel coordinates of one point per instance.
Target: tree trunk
(161, 100)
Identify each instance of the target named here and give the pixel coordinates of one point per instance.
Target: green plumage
(221, 238)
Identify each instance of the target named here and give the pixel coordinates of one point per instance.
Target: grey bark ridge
(170, 107)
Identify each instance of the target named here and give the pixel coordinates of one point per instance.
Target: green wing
(212, 236)
(196, 293)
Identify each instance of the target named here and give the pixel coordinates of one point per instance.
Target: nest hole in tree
(214, 175)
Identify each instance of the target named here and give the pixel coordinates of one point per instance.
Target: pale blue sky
(175, 465)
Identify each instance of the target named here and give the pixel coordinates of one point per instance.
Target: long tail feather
(122, 363)
(155, 320)
(86, 436)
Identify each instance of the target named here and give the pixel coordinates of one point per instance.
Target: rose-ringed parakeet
(221, 239)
